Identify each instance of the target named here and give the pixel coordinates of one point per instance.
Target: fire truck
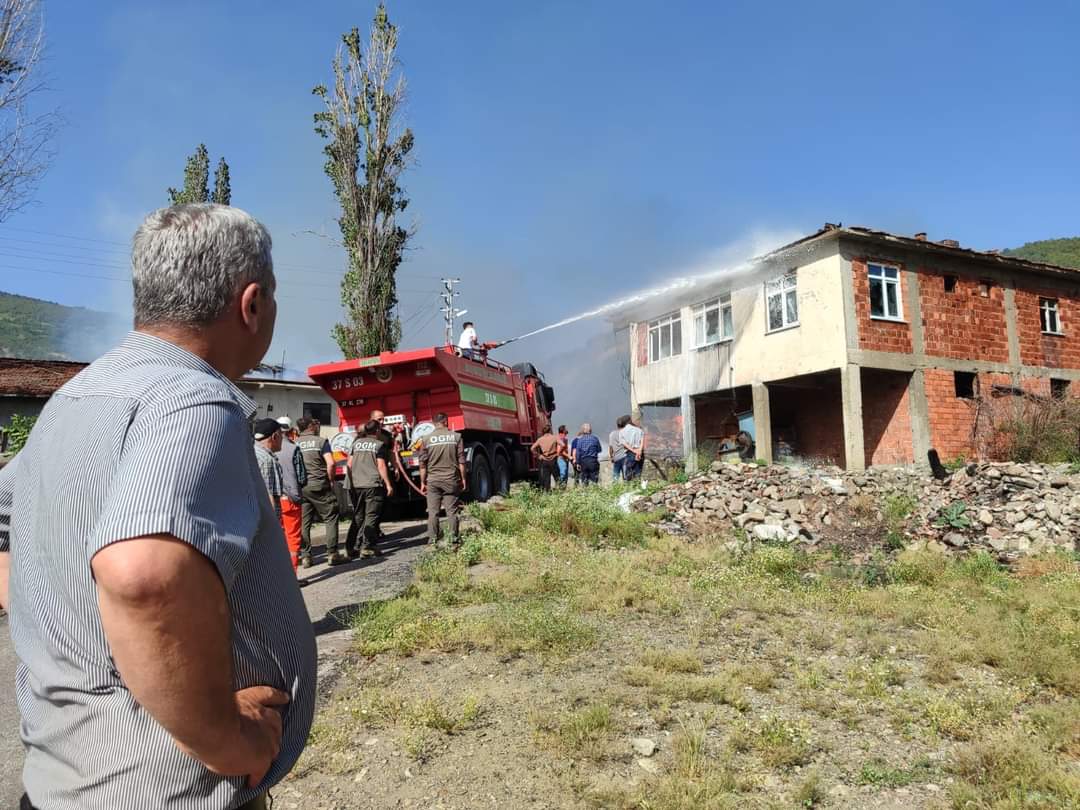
(499, 410)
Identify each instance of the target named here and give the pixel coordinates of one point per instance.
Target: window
(713, 322)
(964, 384)
(318, 410)
(884, 292)
(950, 284)
(1048, 315)
(665, 337)
(781, 302)
(1059, 389)
(984, 287)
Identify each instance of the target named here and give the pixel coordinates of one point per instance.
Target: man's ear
(251, 306)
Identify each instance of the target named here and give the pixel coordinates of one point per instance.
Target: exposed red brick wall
(886, 417)
(1052, 351)
(952, 419)
(878, 335)
(715, 415)
(811, 419)
(962, 324)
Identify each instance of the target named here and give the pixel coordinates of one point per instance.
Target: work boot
(368, 553)
(305, 561)
(336, 559)
(352, 553)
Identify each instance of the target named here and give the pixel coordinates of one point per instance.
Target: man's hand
(464, 484)
(257, 739)
(423, 488)
(389, 489)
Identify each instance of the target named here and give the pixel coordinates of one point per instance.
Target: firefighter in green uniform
(442, 476)
(369, 472)
(318, 492)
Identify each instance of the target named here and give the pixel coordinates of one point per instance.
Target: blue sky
(566, 152)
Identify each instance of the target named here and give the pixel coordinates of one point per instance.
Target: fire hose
(404, 474)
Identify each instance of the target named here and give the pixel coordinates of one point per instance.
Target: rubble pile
(1008, 509)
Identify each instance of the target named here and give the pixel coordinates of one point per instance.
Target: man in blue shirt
(587, 456)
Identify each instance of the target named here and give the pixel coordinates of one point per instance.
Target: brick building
(857, 346)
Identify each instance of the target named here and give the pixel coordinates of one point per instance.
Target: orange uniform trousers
(290, 522)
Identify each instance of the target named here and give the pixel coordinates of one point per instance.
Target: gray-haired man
(166, 658)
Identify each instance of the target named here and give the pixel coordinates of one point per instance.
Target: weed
(685, 661)
(897, 508)
(586, 732)
(680, 686)
(810, 793)
(781, 744)
(1011, 770)
(953, 516)
(878, 773)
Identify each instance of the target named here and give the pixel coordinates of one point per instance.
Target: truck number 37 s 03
(346, 382)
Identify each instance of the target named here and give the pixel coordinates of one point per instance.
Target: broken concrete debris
(1008, 509)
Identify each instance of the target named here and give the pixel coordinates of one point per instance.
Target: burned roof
(944, 247)
(35, 378)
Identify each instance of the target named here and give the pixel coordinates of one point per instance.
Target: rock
(1027, 525)
(995, 538)
(1053, 511)
(495, 500)
(955, 539)
(643, 746)
(736, 506)
(1020, 481)
(770, 492)
(793, 506)
(986, 517)
(1059, 481)
(648, 765)
(836, 485)
(771, 532)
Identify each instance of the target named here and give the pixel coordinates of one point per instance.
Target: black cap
(265, 428)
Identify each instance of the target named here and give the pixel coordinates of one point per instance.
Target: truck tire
(502, 475)
(480, 484)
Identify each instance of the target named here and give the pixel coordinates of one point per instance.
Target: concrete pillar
(919, 410)
(851, 396)
(1011, 331)
(689, 432)
(762, 422)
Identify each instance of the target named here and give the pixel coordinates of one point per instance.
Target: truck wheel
(480, 478)
(502, 475)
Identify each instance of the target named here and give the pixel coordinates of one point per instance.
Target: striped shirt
(270, 470)
(149, 439)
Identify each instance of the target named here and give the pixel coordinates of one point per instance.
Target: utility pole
(450, 313)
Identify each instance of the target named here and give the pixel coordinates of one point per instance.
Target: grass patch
(586, 732)
(681, 661)
(878, 773)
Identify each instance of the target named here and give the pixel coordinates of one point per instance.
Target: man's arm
(166, 618)
(384, 474)
(328, 459)
(461, 464)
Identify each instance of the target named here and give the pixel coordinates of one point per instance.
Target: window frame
(671, 320)
(885, 281)
(782, 289)
(720, 304)
(1046, 306)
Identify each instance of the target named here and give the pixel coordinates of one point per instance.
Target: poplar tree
(367, 151)
(222, 189)
(197, 181)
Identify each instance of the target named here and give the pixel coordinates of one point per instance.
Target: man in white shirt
(468, 342)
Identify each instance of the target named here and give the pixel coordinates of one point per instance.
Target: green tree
(197, 181)
(367, 151)
(222, 189)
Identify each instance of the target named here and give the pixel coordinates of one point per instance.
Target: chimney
(921, 236)
(950, 243)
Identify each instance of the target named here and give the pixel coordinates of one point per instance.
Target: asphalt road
(332, 594)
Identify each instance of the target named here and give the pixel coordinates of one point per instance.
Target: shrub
(1044, 430)
(18, 431)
